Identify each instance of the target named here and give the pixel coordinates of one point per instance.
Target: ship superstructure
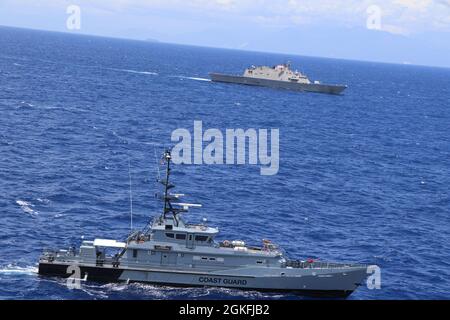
(280, 76)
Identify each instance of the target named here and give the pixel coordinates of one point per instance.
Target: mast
(167, 205)
(169, 197)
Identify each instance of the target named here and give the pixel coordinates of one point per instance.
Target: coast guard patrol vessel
(171, 252)
(280, 76)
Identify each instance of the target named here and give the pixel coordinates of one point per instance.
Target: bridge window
(201, 238)
(135, 253)
(181, 236)
(170, 235)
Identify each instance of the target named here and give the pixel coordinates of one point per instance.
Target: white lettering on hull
(222, 281)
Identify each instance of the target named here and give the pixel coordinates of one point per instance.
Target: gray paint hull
(312, 87)
(320, 282)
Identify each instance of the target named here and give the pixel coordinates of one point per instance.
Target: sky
(396, 31)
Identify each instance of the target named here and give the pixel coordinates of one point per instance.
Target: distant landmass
(342, 43)
(151, 40)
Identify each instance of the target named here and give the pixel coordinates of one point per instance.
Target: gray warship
(281, 77)
(171, 252)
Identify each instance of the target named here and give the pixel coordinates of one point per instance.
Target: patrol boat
(280, 76)
(169, 251)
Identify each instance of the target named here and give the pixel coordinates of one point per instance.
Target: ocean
(363, 177)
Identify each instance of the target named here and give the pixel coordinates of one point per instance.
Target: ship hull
(327, 286)
(303, 87)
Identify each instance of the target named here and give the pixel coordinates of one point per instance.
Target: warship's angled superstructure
(279, 76)
(171, 252)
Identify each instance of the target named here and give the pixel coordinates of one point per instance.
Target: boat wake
(11, 269)
(136, 72)
(194, 78)
(164, 292)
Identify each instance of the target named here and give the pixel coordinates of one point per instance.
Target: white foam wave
(137, 72)
(46, 201)
(156, 292)
(27, 104)
(94, 293)
(12, 269)
(115, 286)
(194, 78)
(26, 207)
(199, 79)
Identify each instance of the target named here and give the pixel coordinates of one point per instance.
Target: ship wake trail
(16, 270)
(194, 78)
(136, 71)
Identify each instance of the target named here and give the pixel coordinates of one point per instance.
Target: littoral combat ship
(171, 252)
(280, 76)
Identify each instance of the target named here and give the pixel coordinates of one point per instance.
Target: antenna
(131, 197)
(157, 165)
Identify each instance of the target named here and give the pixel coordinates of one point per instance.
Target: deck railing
(320, 265)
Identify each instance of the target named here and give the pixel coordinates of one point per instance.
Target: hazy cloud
(399, 16)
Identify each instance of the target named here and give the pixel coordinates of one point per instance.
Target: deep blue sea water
(363, 177)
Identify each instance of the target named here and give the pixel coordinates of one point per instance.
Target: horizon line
(154, 40)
